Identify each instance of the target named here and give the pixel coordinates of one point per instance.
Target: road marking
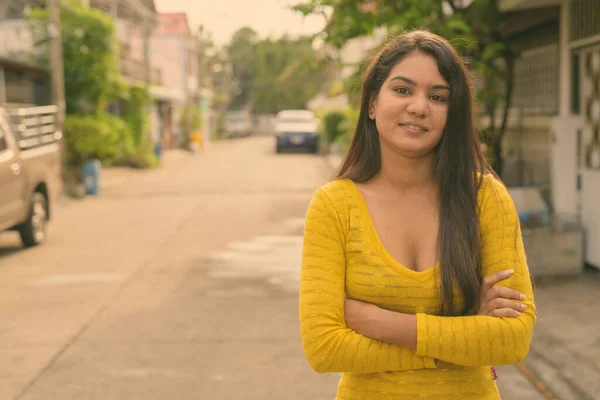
(69, 279)
(276, 259)
(540, 386)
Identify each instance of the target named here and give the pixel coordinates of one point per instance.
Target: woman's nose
(418, 106)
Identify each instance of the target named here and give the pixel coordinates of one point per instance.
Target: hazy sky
(224, 17)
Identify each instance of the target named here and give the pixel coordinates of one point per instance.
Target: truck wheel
(33, 231)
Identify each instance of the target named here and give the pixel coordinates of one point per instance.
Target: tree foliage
(288, 73)
(275, 74)
(242, 58)
(92, 77)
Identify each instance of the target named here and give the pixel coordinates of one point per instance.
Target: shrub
(89, 137)
(125, 146)
(332, 125)
(108, 139)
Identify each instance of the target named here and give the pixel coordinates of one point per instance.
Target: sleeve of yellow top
(328, 344)
(485, 340)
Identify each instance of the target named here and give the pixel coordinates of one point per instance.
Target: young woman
(414, 278)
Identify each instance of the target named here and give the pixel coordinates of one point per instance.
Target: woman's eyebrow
(411, 82)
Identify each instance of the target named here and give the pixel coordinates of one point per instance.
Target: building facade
(571, 89)
(22, 80)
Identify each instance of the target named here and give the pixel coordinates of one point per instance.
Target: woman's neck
(405, 174)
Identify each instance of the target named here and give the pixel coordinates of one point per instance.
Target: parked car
(238, 124)
(30, 170)
(297, 128)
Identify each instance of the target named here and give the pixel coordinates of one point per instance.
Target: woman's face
(411, 109)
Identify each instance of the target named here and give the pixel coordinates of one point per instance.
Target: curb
(539, 385)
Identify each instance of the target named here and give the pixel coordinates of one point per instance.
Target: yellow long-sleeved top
(344, 257)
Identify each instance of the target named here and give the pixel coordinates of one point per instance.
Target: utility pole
(189, 85)
(57, 76)
(56, 61)
(114, 10)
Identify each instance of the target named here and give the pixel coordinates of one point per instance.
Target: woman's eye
(438, 98)
(402, 90)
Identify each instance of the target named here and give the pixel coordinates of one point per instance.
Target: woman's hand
(497, 301)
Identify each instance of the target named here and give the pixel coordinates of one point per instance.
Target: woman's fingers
(502, 292)
(504, 312)
(500, 307)
(496, 277)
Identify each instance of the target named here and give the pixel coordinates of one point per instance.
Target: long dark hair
(459, 163)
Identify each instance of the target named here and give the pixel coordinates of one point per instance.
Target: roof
(10, 63)
(172, 24)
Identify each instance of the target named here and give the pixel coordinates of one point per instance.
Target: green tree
(271, 74)
(208, 56)
(474, 27)
(242, 58)
(90, 64)
(288, 73)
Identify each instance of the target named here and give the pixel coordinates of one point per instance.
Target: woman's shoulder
(337, 189)
(338, 196)
(493, 193)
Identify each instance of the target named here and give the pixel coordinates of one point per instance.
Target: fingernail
(522, 306)
(517, 313)
(510, 272)
(522, 297)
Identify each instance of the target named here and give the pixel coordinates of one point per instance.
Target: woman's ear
(372, 109)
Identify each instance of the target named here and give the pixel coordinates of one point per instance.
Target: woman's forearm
(397, 328)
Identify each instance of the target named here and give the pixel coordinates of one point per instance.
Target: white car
(297, 128)
(238, 124)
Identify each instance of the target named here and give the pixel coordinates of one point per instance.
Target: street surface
(177, 283)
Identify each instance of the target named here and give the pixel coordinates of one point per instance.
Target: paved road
(179, 283)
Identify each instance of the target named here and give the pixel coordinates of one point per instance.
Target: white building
(574, 90)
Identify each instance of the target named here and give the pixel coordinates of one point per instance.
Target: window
(13, 77)
(536, 81)
(575, 82)
(3, 144)
(585, 19)
(3, 133)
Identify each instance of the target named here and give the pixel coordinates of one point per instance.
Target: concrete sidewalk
(111, 178)
(115, 176)
(565, 353)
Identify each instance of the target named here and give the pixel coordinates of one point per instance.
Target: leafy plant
(332, 121)
(92, 78)
(135, 111)
(90, 137)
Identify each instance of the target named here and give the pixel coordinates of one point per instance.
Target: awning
(9, 63)
(514, 5)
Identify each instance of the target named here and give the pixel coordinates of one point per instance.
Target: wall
(15, 39)
(527, 156)
(590, 150)
(565, 165)
(355, 51)
(167, 53)
(123, 32)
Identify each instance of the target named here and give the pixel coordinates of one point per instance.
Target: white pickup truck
(30, 170)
